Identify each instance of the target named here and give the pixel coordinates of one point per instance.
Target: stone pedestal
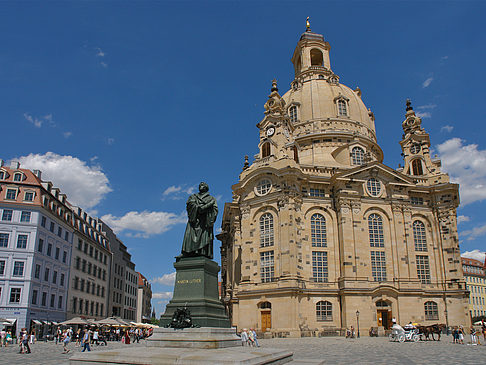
(196, 287)
(202, 338)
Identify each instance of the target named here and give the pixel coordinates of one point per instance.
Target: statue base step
(201, 338)
(180, 356)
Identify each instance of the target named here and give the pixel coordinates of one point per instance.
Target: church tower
(321, 230)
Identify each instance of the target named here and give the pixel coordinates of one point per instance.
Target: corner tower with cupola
(320, 231)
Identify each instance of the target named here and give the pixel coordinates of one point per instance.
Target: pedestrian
(461, 335)
(24, 341)
(32, 336)
(65, 341)
(244, 337)
(255, 338)
(3, 338)
(96, 336)
(78, 337)
(474, 337)
(86, 340)
(251, 338)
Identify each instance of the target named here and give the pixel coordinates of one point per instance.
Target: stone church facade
(320, 234)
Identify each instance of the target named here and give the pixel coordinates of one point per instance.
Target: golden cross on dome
(307, 25)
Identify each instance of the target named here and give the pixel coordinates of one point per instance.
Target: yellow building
(476, 284)
(320, 231)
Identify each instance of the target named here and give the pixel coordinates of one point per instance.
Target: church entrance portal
(383, 314)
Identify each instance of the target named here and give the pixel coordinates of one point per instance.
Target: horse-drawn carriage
(401, 334)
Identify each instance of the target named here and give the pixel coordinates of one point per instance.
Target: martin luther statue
(201, 213)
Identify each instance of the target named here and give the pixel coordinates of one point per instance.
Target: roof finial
(307, 25)
(274, 85)
(409, 105)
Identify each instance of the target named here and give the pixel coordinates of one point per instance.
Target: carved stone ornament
(397, 209)
(283, 201)
(275, 104)
(356, 205)
(245, 211)
(344, 205)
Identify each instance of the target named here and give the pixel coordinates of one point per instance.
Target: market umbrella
(112, 321)
(74, 321)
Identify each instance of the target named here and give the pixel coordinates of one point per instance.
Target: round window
(373, 186)
(263, 187)
(415, 148)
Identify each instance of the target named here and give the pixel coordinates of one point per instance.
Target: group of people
(5, 338)
(249, 338)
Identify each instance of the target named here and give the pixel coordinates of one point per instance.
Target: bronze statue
(202, 211)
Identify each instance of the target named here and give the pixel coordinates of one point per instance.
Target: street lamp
(357, 320)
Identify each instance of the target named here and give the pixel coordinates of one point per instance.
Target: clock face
(415, 148)
(270, 131)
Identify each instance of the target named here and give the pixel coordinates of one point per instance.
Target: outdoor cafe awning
(37, 322)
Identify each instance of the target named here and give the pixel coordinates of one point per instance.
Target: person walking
(3, 338)
(25, 341)
(32, 336)
(96, 336)
(86, 340)
(65, 341)
(78, 337)
(255, 338)
(244, 337)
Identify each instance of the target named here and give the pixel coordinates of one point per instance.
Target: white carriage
(401, 334)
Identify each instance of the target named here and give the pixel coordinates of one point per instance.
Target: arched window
(431, 311)
(316, 57)
(375, 227)
(374, 186)
(357, 156)
(266, 149)
(293, 113)
(265, 305)
(318, 230)
(266, 230)
(419, 237)
(417, 167)
(342, 107)
(324, 311)
(382, 304)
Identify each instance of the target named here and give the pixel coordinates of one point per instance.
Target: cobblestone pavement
(333, 350)
(379, 350)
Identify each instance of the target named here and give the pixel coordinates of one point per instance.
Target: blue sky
(127, 106)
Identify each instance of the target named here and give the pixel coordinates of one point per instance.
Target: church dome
(320, 99)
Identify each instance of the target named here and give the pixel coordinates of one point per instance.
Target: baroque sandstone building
(319, 228)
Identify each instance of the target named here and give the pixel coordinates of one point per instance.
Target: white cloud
(67, 134)
(145, 223)
(424, 114)
(474, 233)
(110, 141)
(104, 64)
(447, 128)
(163, 295)
(427, 106)
(178, 192)
(474, 254)
(99, 52)
(84, 185)
(166, 279)
(466, 165)
(427, 82)
(36, 122)
(463, 218)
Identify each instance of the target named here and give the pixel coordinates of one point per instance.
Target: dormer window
(2, 175)
(357, 156)
(342, 107)
(293, 113)
(265, 149)
(17, 176)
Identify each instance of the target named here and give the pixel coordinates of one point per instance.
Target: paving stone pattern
(332, 350)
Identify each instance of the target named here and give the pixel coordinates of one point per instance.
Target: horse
(430, 330)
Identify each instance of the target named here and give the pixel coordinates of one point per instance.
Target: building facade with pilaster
(322, 230)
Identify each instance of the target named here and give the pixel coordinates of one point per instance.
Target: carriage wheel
(401, 338)
(416, 338)
(391, 337)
